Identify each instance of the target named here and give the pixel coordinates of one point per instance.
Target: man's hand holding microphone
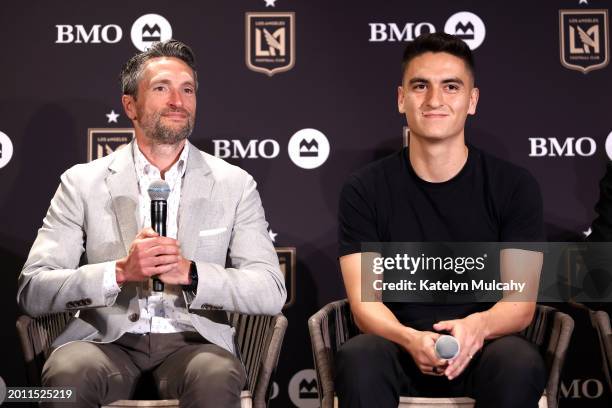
(152, 255)
(435, 353)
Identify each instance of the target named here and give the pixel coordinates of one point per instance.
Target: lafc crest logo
(584, 39)
(270, 42)
(102, 142)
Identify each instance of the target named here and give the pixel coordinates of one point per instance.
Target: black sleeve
(356, 218)
(601, 230)
(523, 218)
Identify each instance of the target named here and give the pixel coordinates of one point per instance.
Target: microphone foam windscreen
(159, 190)
(447, 347)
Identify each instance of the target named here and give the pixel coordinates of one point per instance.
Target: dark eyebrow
(167, 82)
(453, 80)
(418, 80)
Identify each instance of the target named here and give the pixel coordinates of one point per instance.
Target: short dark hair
(132, 70)
(438, 42)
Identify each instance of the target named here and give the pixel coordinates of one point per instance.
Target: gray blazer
(93, 219)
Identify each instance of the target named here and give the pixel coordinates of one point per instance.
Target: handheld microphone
(159, 191)
(447, 347)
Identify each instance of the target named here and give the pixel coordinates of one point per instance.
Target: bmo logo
(96, 34)
(380, 32)
(570, 147)
(253, 149)
(145, 31)
(307, 148)
(578, 388)
(464, 24)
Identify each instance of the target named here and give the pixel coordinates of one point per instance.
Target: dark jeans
(184, 366)
(373, 372)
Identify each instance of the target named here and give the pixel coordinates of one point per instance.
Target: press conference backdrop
(300, 94)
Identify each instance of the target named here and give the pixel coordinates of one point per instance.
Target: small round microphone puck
(447, 347)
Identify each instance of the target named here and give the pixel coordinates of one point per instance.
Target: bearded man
(96, 254)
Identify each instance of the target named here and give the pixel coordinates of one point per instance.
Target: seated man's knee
(510, 373)
(364, 356)
(367, 372)
(217, 369)
(90, 371)
(72, 365)
(512, 363)
(514, 355)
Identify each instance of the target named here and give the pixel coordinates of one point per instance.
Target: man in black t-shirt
(439, 189)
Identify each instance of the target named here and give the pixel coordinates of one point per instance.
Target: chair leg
(246, 402)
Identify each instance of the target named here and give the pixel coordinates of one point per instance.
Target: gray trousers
(184, 366)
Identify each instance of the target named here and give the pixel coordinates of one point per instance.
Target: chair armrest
(259, 340)
(36, 336)
(329, 329)
(551, 330)
(601, 323)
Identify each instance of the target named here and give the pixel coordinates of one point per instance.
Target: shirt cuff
(109, 284)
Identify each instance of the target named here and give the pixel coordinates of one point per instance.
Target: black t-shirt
(489, 200)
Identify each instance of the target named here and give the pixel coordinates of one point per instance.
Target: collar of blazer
(196, 190)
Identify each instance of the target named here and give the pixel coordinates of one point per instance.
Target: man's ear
(129, 106)
(474, 95)
(400, 99)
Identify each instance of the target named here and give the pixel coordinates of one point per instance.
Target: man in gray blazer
(95, 255)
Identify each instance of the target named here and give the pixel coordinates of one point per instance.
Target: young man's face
(165, 106)
(436, 95)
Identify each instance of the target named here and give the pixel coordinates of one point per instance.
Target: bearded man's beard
(162, 134)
